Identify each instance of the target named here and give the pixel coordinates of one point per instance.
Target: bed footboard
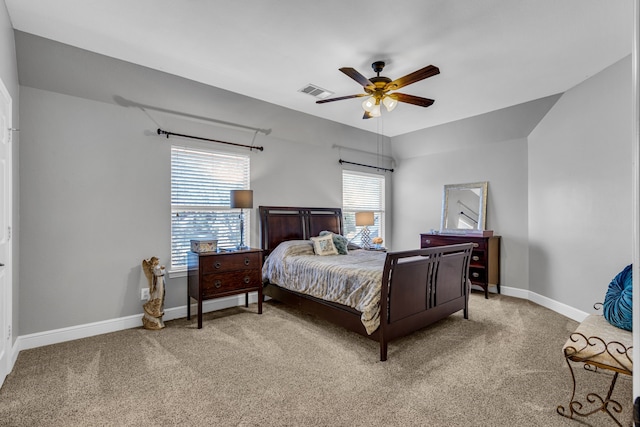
(420, 287)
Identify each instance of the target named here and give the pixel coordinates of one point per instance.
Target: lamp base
(241, 246)
(366, 238)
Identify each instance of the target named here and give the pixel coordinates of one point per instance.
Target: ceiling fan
(377, 89)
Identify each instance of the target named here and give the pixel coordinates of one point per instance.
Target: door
(5, 233)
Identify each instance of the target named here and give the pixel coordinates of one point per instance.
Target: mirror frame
(482, 208)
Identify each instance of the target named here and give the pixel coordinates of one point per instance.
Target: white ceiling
(491, 53)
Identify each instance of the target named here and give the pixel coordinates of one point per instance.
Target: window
(362, 192)
(200, 185)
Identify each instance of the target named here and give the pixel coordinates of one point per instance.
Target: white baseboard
(39, 339)
(25, 342)
(558, 307)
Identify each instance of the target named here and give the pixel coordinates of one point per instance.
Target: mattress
(353, 280)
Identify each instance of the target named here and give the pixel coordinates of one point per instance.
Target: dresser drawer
(213, 284)
(478, 257)
(230, 262)
(427, 241)
(477, 274)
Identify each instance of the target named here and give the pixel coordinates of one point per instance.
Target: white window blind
(362, 192)
(200, 185)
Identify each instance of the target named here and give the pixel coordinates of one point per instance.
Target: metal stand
(594, 402)
(242, 246)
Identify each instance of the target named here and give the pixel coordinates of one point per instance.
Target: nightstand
(221, 274)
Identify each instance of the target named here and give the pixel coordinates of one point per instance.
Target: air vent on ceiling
(316, 91)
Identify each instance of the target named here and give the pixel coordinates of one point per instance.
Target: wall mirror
(464, 207)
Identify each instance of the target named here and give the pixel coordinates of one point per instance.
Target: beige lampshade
(241, 199)
(364, 218)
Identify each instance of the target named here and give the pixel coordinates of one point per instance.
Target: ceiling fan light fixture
(368, 104)
(377, 89)
(375, 111)
(389, 103)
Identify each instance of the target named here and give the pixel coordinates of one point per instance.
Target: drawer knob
(217, 284)
(476, 275)
(427, 241)
(246, 280)
(217, 264)
(246, 261)
(475, 245)
(475, 258)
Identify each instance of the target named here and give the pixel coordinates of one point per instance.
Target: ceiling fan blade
(367, 115)
(351, 72)
(416, 76)
(411, 99)
(340, 98)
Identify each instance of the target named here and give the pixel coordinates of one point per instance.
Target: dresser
(484, 269)
(220, 274)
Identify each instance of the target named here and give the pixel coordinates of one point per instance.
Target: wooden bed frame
(419, 287)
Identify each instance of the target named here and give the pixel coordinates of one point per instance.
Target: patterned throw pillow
(340, 242)
(323, 245)
(618, 304)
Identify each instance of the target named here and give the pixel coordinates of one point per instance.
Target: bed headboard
(278, 224)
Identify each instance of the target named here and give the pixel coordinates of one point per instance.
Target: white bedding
(353, 280)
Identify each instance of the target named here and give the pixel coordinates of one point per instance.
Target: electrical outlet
(144, 294)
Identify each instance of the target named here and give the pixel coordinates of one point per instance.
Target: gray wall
(559, 191)
(491, 147)
(9, 76)
(580, 190)
(96, 178)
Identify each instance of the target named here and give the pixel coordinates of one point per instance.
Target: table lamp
(242, 199)
(364, 219)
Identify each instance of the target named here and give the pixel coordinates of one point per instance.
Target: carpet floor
(502, 367)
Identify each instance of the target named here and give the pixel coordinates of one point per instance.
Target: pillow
(295, 247)
(323, 245)
(618, 304)
(340, 242)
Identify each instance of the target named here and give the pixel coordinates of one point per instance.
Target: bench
(598, 344)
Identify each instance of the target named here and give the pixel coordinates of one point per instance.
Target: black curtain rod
(462, 213)
(366, 166)
(168, 134)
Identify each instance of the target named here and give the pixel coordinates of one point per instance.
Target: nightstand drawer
(230, 262)
(213, 284)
